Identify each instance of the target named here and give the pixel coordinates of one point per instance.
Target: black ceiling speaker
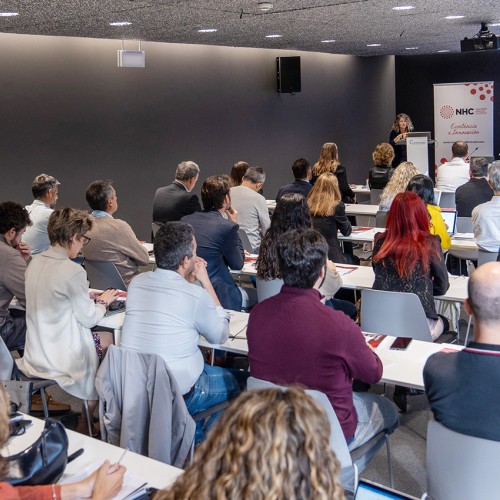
(288, 73)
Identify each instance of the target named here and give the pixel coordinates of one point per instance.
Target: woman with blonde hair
(329, 163)
(399, 132)
(268, 444)
(398, 183)
(328, 214)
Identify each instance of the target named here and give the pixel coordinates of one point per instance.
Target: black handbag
(44, 461)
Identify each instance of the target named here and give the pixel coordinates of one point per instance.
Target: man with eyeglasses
(14, 255)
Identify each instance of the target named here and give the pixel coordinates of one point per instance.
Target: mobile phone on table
(401, 344)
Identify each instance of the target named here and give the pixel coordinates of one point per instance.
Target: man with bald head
(454, 173)
(463, 388)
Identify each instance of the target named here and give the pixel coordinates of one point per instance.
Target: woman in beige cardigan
(60, 311)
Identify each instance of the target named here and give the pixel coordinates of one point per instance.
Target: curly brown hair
(383, 154)
(267, 444)
(328, 159)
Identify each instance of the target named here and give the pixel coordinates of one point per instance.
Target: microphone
(470, 154)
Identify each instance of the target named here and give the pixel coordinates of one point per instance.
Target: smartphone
(401, 344)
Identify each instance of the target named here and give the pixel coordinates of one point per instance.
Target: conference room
(70, 111)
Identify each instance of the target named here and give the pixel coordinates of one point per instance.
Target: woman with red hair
(408, 258)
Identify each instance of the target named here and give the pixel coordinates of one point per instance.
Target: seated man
(302, 172)
(112, 239)
(486, 217)
(218, 240)
(294, 339)
(13, 256)
(45, 190)
(462, 386)
(177, 200)
(251, 207)
(167, 312)
(455, 172)
(476, 191)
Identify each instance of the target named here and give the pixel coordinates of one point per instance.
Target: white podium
(417, 152)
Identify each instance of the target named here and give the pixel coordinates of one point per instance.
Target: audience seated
(302, 173)
(476, 191)
(292, 212)
(13, 256)
(112, 239)
(381, 172)
(177, 200)
(251, 207)
(423, 187)
(218, 240)
(328, 214)
(167, 312)
(294, 339)
(462, 386)
(45, 190)
(237, 172)
(104, 483)
(61, 311)
(329, 162)
(454, 173)
(397, 184)
(486, 217)
(268, 444)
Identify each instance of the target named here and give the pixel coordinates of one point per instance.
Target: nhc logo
(447, 112)
(464, 111)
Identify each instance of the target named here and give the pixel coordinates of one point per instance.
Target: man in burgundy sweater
(294, 339)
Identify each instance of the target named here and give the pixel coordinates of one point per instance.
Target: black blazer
(328, 227)
(297, 186)
(173, 202)
(345, 190)
(471, 194)
(219, 244)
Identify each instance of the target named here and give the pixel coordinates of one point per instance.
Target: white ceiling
(302, 24)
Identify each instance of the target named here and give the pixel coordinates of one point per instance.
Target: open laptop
(437, 196)
(450, 219)
(420, 134)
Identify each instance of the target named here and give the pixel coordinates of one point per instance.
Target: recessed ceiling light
(494, 24)
(327, 41)
(403, 7)
(274, 36)
(207, 30)
(454, 17)
(120, 23)
(373, 45)
(8, 14)
(411, 48)
(442, 51)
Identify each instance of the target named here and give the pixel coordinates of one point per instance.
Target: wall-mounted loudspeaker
(288, 73)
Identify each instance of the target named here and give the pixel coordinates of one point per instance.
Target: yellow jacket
(438, 226)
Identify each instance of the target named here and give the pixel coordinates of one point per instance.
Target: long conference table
(400, 367)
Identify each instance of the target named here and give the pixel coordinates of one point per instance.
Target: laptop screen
(450, 219)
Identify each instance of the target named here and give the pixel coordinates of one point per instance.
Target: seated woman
(423, 187)
(328, 214)
(61, 311)
(292, 212)
(397, 184)
(329, 163)
(268, 444)
(237, 172)
(381, 172)
(105, 482)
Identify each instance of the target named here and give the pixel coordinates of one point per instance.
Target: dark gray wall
(67, 110)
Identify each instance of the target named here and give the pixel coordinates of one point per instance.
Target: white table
(361, 209)
(156, 474)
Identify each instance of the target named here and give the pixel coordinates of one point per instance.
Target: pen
(121, 457)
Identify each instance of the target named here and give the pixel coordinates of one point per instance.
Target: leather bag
(44, 461)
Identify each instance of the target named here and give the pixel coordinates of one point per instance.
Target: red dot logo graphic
(446, 112)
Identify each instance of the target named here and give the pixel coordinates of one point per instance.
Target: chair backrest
(6, 362)
(483, 256)
(461, 467)
(381, 218)
(154, 227)
(103, 274)
(464, 225)
(375, 196)
(394, 313)
(245, 241)
(447, 200)
(337, 439)
(268, 288)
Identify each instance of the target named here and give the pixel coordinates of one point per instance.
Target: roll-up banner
(463, 112)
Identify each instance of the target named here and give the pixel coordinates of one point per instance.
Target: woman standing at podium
(400, 128)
